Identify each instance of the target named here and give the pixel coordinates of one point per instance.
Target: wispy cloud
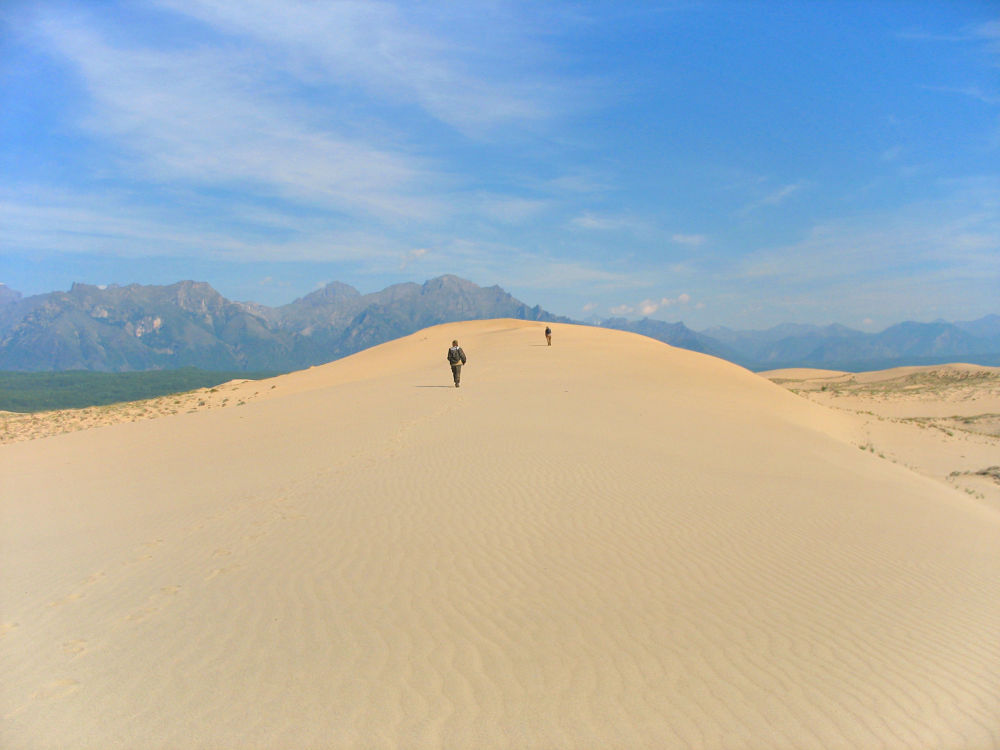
(587, 184)
(973, 92)
(394, 55)
(201, 117)
(551, 273)
(650, 306)
(41, 220)
(411, 256)
(774, 198)
(891, 154)
(960, 232)
(635, 224)
(242, 110)
(693, 240)
(990, 32)
(509, 209)
(597, 222)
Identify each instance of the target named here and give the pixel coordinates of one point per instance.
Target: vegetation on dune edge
(28, 392)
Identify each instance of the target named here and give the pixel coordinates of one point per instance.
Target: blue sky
(720, 163)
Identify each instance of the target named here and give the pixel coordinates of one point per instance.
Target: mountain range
(142, 327)
(137, 327)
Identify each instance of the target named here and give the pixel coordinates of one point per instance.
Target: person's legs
(456, 373)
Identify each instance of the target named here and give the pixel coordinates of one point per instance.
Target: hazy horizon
(719, 163)
(592, 319)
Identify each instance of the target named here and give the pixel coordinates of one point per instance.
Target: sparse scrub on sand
(49, 391)
(935, 420)
(18, 427)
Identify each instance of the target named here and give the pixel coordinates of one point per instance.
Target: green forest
(75, 389)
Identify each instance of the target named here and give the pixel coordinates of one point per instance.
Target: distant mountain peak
(8, 295)
(335, 290)
(138, 327)
(450, 281)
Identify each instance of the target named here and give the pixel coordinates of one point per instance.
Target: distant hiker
(548, 335)
(456, 358)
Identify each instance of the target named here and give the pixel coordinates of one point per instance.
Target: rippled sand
(604, 543)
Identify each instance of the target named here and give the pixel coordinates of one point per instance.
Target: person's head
(455, 342)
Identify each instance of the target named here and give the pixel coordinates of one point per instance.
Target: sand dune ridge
(604, 543)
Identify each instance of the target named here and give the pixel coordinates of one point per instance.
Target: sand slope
(606, 543)
(942, 421)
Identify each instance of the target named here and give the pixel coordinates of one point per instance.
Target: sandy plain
(606, 543)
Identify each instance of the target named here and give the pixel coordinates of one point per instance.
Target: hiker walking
(456, 358)
(548, 335)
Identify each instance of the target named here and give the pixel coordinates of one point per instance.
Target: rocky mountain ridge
(190, 324)
(137, 327)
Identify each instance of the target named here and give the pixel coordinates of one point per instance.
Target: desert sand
(605, 543)
(18, 426)
(942, 421)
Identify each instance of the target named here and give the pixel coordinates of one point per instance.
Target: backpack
(454, 357)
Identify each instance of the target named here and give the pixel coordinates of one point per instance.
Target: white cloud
(649, 306)
(202, 117)
(911, 263)
(587, 184)
(553, 273)
(411, 256)
(622, 310)
(921, 239)
(891, 154)
(44, 220)
(774, 198)
(990, 33)
(396, 53)
(510, 209)
(973, 92)
(689, 239)
(601, 223)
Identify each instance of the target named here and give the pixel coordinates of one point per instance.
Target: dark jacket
(456, 355)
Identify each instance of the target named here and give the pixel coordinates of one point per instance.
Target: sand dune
(606, 543)
(942, 421)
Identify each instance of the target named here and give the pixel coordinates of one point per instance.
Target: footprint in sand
(76, 595)
(50, 691)
(143, 550)
(151, 608)
(141, 615)
(56, 689)
(75, 647)
(222, 571)
(79, 594)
